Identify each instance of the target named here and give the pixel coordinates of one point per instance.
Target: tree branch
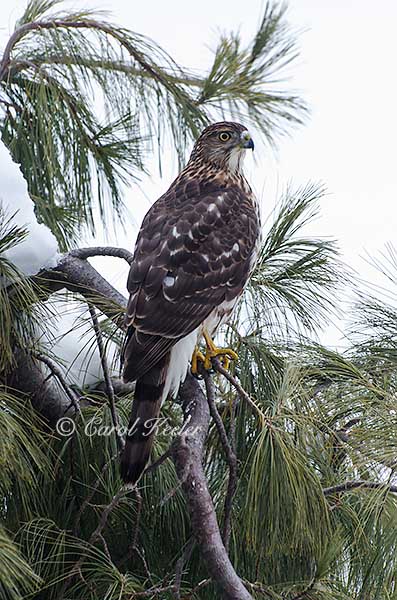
(23, 30)
(238, 387)
(106, 375)
(93, 538)
(188, 451)
(56, 371)
(85, 253)
(230, 458)
(91, 495)
(352, 485)
(77, 275)
(180, 564)
(47, 397)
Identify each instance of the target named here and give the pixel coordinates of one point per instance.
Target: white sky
(347, 73)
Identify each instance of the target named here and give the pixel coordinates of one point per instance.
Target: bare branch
(85, 253)
(94, 537)
(78, 276)
(55, 370)
(154, 591)
(182, 560)
(259, 588)
(188, 451)
(202, 584)
(230, 458)
(106, 548)
(27, 378)
(153, 466)
(238, 387)
(91, 495)
(106, 375)
(139, 501)
(352, 485)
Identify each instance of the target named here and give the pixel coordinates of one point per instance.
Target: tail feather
(143, 421)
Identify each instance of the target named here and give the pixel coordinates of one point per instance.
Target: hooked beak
(247, 141)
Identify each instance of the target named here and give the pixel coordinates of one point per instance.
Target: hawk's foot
(225, 354)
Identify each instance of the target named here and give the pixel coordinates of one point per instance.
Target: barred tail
(143, 421)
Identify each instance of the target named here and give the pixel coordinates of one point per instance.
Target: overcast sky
(346, 72)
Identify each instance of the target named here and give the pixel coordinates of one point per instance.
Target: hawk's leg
(212, 351)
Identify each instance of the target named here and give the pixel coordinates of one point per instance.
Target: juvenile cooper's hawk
(195, 250)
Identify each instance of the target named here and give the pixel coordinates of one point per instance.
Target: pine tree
(296, 444)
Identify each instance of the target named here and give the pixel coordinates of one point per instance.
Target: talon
(197, 356)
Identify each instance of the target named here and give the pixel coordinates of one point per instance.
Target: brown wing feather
(193, 252)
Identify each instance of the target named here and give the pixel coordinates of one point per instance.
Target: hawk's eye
(224, 136)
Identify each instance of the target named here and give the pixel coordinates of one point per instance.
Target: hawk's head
(223, 145)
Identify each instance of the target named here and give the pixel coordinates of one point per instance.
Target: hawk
(195, 250)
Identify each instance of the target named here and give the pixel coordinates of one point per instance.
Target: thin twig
(104, 517)
(153, 466)
(181, 562)
(93, 538)
(139, 501)
(176, 488)
(231, 459)
(56, 371)
(153, 591)
(258, 588)
(133, 547)
(105, 547)
(202, 584)
(91, 495)
(87, 583)
(351, 485)
(106, 375)
(141, 554)
(241, 391)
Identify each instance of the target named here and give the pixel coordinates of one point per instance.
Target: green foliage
(22, 452)
(19, 304)
(296, 275)
(84, 101)
(16, 575)
(237, 75)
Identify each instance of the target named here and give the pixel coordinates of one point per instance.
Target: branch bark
(188, 453)
(238, 387)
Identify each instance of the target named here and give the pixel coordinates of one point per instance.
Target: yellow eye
(224, 136)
